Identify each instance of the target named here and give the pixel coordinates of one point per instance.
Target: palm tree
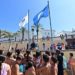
(8, 35)
(37, 30)
(22, 31)
(15, 34)
(62, 37)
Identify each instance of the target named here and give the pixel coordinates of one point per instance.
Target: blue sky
(62, 13)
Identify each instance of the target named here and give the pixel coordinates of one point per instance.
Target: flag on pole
(42, 13)
(24, 21)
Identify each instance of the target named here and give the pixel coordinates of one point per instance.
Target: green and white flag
(24, 21)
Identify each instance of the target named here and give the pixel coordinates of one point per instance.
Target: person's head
(14, 56)
(45, 58)
(12, 48)
(18, 59)
(62, 54)
(43, 43)
(34, 55)
(48, 53)
(27, 52)
(71, 55)
(52, 54)
(38, 53)
(53, 60)
(2, 59)
(58, 52)
(9, 54)
(1, 52)
(30, 64)
(25, 55)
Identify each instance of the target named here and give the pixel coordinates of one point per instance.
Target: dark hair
(18, 58)
(29, 65)
(27, 52)
(34, 55)
(62, 54)
(2, 59)
(14, 56)
(54, 59)
(52, 54)
(38, 54)
(18, 52)
(58, 52)
(47, 52)
(1, 51)
(25, 55)
(9, 54)
(71, 54)
(45, 58)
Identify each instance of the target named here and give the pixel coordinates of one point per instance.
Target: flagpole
(37, 33)
(50, 24)
(28, 31)
(37, 30)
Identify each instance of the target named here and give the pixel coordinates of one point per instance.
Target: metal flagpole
(37, 33)
(50, 24)
(28, 31)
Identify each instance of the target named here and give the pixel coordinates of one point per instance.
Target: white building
(67, 34)
(44, 33)
(41, 33)
(19, 36)
(47, 33)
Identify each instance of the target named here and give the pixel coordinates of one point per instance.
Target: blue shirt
(64, 62)
(21, 68)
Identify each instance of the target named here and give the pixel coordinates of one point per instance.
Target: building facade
(69, 37)
(47, 33)
(19, 36)
(44, 33)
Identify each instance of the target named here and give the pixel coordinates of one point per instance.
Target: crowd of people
(38, 63)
